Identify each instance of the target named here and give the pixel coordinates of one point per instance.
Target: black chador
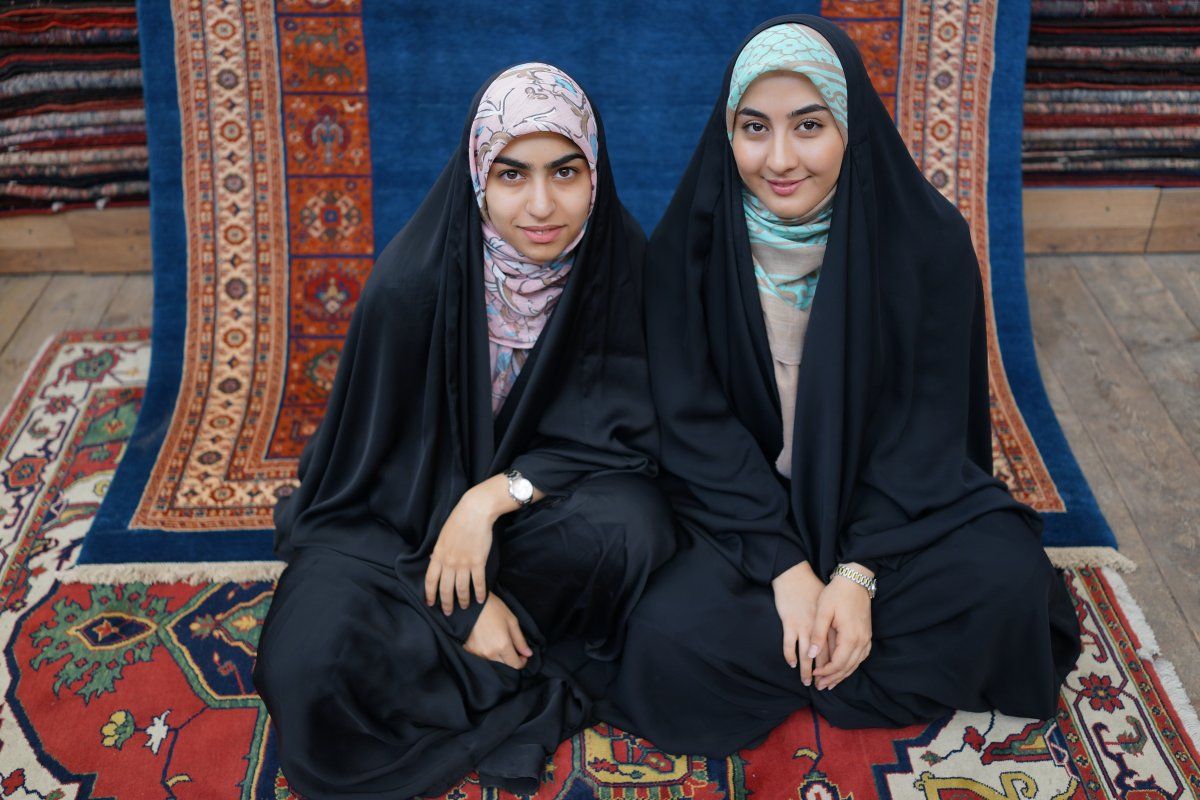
(370, 690)
(891, 462)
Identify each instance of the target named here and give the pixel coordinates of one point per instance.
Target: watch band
(853, 575)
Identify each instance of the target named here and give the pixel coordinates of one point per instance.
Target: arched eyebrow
(567, 159)
(812, 108)
(555, 164)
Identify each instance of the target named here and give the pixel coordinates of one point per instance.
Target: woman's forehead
(540, 145)
(783, 85)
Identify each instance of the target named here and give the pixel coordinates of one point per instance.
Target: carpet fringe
(1149, 650)
(198, 572)
(1147, 642)
(1177, 694)
(1076, 557)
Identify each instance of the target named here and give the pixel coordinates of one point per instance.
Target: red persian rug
(142, 690)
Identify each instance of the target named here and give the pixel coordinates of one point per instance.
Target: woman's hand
(461, 552)
(796, 594)
(844, 617)
(459, 557)
(497, 635)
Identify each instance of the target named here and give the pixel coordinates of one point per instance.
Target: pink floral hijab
(520, 293)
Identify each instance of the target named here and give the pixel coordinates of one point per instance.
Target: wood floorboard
(1155, 330)
(18, 294)
(1180, 274)
(131, 304)
(1153, 468)
(1147, 584)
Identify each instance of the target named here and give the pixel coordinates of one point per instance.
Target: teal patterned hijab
(777, 241)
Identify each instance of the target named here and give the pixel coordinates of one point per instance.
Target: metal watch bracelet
(853, 575)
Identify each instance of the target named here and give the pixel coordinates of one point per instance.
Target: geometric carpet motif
(273, 154)
(142, 689)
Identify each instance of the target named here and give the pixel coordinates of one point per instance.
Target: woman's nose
(782, 156)
(541, 203)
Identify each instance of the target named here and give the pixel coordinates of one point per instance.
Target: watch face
(523, 489)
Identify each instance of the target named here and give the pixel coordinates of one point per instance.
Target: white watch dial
(522, 489)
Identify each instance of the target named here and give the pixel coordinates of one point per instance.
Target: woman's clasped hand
(826, 626)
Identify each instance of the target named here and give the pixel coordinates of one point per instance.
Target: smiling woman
(475, 518)
(786, 144)
(816, 330)
(541, 209)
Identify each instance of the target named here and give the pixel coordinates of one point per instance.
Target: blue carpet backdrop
(289, 142)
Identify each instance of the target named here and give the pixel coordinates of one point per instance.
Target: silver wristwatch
(519, 487)
(853, 575)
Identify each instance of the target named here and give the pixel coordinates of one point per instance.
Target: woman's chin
(785, 207)
(540, 254)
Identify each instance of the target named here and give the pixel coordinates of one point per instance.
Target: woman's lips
(784, 188)
(543, 234)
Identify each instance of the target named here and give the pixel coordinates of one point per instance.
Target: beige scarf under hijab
(788, 252)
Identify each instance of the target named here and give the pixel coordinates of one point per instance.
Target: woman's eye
(566, 172)
(754, 127)
(804, 126)
(509, 175)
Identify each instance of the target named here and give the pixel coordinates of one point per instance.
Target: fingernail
(813, 650)
(806, 682)
(792, 664)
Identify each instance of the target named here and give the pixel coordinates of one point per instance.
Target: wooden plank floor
(1118, 339)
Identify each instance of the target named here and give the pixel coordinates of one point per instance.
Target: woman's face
(786, 144)
(538, 194)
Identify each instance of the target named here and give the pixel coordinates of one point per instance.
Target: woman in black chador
(494, 377)
(816, 334)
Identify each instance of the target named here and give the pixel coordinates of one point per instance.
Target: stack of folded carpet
(72, 121)
(1111, 93)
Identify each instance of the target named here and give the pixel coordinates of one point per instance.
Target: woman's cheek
(580, 205)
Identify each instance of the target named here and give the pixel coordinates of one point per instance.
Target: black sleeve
(721, 483)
